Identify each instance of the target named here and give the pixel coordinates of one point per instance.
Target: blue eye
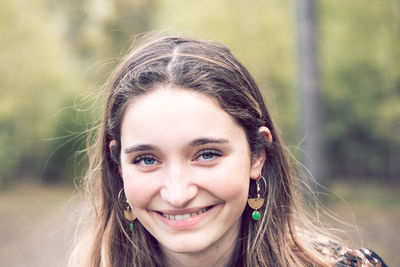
(148, 161)
(208, 155)
(145, 160)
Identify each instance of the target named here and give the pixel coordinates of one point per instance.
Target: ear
(111, 146)
(258, 161)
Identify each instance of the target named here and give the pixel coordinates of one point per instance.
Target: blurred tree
(102, 30)
(361, 57)
(36, 76)
(309, 89)
(65, 151)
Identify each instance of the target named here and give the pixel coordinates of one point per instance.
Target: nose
(178, 189)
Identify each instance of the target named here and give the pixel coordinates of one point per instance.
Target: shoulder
(345, 257)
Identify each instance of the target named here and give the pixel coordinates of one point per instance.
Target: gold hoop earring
(128, 212)
(256, 203)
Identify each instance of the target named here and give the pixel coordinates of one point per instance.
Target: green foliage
(361, 73)
(36, 78)
(65, 151)
(9, 154)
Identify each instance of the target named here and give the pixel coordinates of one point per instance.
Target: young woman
(188, 170)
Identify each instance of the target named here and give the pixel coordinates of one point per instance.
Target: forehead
(166, 112)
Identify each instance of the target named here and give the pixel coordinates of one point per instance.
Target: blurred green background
(55, 54)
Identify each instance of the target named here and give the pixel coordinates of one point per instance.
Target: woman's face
(186, 168)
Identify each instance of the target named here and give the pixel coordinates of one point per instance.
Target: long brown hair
(211, 69)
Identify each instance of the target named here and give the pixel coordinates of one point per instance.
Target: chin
(186, 247)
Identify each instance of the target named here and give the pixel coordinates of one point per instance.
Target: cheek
(139, 191)
(230, 182)
(232, 189)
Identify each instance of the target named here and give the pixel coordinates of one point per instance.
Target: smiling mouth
(185, 216)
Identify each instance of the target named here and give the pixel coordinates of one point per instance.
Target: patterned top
(346, 257)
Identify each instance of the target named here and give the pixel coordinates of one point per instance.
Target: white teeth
(185, 216)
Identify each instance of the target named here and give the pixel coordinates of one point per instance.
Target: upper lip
(183, 211)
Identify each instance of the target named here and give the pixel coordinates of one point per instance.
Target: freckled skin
(176, 176)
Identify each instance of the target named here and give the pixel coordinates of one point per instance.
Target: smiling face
(186, 168)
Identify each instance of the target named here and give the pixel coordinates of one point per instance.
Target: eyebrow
(196, 142)
(140, 147)
(204, 141)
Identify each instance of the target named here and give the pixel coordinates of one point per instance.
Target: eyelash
(141, 158)
(214, 153)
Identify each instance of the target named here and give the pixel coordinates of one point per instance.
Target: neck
(218, 254)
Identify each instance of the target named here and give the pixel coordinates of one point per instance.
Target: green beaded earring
(256, 203)
(128, 212)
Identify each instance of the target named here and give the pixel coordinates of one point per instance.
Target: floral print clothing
(346, 257)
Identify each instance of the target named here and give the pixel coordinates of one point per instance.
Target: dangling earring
(128, 212)
(256, 203)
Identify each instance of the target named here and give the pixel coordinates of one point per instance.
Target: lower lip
(185, 223)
